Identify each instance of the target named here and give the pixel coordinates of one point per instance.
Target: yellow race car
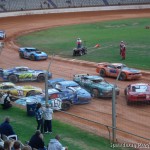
(19, 91)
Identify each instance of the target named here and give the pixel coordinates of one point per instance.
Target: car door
(112, 71)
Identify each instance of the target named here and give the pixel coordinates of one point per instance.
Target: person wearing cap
(79, 43)
(55, 144)
(47, 114)
(121, 46)
(37, 141)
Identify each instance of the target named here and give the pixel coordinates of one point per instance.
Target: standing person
(6, 128)
(5, 100)
(47, 114)
(121, 46)
(37, 141)
(79, 43)
(39, 117)
(55, 144)
(123, 52)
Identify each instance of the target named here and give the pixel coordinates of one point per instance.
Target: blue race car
(81, 96)
(58, 100)
(22, 73)
(2, 35)
(32, 53)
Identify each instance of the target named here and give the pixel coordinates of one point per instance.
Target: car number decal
(27, 75)
(56, 103)
(20, 93)
(112, 71)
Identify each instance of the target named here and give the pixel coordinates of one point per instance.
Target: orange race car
(113, 70)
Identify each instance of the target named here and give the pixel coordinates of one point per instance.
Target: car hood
(83, 92)
(130, 70)
(104, 86)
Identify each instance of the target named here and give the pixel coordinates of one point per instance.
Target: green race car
(96, 85)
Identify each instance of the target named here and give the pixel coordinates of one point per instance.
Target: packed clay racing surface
(134, 119)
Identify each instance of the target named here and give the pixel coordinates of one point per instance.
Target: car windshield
(139, 88)
(123, 66)
(97, 81)
(74, 88)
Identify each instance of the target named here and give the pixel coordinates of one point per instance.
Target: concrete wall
(66, 10)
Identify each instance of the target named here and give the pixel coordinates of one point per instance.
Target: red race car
(113, 69)
(138, 92)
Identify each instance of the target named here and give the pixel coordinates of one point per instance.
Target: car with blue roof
(32, 53)
(23, 73)
(57, 99)
(78, 94)
(96, 85)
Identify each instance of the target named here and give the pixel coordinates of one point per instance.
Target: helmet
(122, 42)
(78, 38)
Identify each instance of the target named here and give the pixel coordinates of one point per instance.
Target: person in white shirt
(55, 144)
(47, 115)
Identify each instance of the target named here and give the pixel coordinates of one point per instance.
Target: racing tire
(74, 53)
(80, 53)
(31, 93)
(65, 106)
(41, 78)
(32, 57)
(102, 73)
(123, 76)
(21, 55)
(95, 93)
(13, 78)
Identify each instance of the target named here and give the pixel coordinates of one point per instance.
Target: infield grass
(62, 40)
(75, 138)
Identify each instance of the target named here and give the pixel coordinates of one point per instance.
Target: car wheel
(95, 93)
(122, 76)
(32, 57)
(41, 78)
(65, 106)
(102, 73)
(74, 54)
(31, 93)
(13, 78)
(80, 53)
(21, 55)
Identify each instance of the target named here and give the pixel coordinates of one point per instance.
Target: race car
(23, 73)
(96, 85)
(57, 100)
(113, 70)
(2, 35)
(32, 53)
(19, 91)
(77, 94)
(138, 92)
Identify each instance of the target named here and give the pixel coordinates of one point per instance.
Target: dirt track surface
(134, 119)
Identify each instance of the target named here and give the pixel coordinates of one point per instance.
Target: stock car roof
(52, 91)
(7, 84)
(28, 47)
(135, 84)
(68, 83)
(93, 77)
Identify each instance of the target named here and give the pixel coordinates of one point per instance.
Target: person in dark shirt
(6, 128)
(37, 141)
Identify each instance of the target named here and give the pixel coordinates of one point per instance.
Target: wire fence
(20, 5)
